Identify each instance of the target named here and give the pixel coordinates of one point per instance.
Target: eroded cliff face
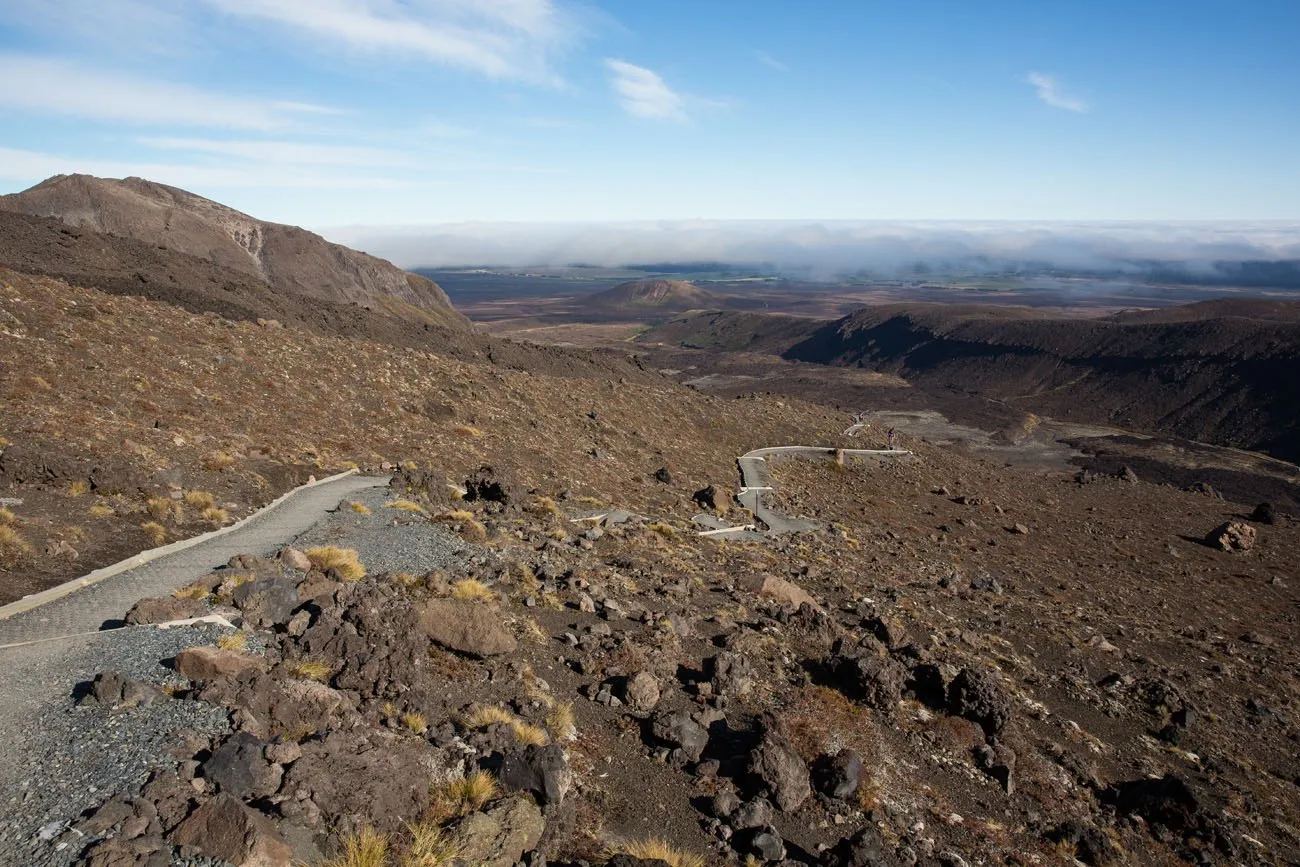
(1220, 377)
(286, 257)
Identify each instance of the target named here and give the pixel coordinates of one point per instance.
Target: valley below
(1056, 625)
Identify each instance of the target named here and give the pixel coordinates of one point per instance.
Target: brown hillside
(660, 294)
(287, 258)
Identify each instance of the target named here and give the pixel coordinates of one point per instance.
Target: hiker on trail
(891, 438)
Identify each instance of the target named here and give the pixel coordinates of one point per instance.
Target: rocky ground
(969, 663)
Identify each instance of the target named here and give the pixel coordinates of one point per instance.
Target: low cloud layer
(824, 250)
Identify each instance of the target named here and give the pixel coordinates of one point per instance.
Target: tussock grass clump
(236, 641)
(342, 560)
(470, 528)
(359, 508)
(415, 721)
(160, 507)
(560, 722)
(199, 500)
(460, 797)
(655, 849)
(528, 734)
(7, 516)
(430, 846)
(487, 715)
(407, 506)
(214, 515)
(156, 533)
(471, 590)
(665, 530)
(217, 461)
(465, 430)
(78, 488)
(309, 669)
(12, 543)
(547, 506)
(99, 510)
(366, 848)
(197, 590)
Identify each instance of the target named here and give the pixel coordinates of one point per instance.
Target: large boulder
(266, 602)
(1232, 536)
(783, 591)
(211, 663)
(500, 835)
(239, 768)
(544, 771)
(867, 675)
(977, 696)
(224, 828)
(680, 731)
(466, 627)
(775, 762)
(162, 609)
(118, 691)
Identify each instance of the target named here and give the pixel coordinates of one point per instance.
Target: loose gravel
(74, 757)
(392, 540)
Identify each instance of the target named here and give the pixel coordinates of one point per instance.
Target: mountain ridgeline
(286, 258)
(1225, 372)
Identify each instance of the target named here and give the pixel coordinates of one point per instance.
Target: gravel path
(59, 759)
(65, 758)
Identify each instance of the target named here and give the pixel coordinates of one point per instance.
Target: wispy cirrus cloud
(51, 85)
(643, 92)
(507, 39)
(284, 152)
(28, 166)
(770, 61)
(1049, 90)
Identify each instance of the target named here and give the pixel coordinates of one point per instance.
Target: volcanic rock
(466, 627)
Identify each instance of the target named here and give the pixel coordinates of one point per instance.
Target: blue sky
(329, 113)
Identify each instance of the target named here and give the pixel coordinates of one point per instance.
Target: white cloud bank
(827, 249)
(643, 93)
(1049, 90)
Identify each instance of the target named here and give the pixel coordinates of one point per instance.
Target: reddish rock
(225, 828)
(210, 663)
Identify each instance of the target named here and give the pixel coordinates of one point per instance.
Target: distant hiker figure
(891, 437)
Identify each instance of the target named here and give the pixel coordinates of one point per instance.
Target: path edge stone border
(35, 600)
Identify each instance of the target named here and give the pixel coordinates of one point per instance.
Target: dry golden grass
(465, 430)
(200, 500)
(460, 797)
(471, 590)
(547, 506)
(560, 722)
(159, 508)
(342, 560)
(359, 508)
(12, 543)
(156, 532)
(366, 848)
(309, 669)
(487, 715)
(407, 506)
(217, 461)
(430, 846)
(236, 641)
(655, 849)
(6, 516)
(469, 527)
(665, 530)
(78, 488)
(457, 515)
(528, 734)
(214, 515)
(197, 590)
(99, 510)
(415, 721)
(406, 579)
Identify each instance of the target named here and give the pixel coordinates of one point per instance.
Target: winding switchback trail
(756, 482)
